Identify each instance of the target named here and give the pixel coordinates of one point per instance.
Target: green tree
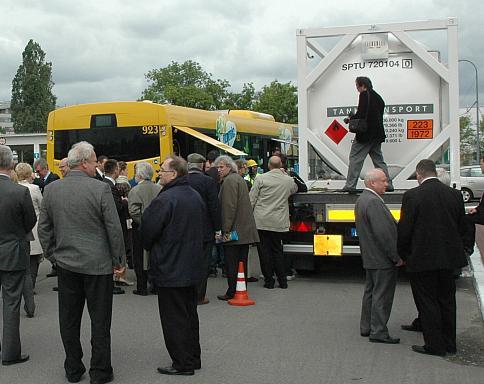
(186, 84)
(467, 140)
(32, 97)
(243, 100)
(279, 100)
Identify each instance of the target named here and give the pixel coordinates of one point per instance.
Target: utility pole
(478, 152)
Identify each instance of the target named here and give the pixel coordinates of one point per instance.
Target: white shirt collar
(427, 178)
(110, 179)
(372, 191)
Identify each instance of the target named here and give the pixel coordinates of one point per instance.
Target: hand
(218, 235)
(472, 211)
(400, 263)
(119, 271)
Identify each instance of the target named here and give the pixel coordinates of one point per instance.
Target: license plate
(328, 245)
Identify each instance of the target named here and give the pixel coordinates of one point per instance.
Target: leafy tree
(32, 97)
(186, 84)
(243, 100)
(279, 100)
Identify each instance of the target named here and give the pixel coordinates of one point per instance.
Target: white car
(471, 182)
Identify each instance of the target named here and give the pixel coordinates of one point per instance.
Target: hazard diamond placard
(336, 131)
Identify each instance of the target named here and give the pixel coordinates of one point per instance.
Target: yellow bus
(146, 131)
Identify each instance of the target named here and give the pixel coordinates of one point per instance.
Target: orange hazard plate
(420, 129)
(328, 245)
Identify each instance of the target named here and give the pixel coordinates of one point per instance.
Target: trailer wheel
(466, 195)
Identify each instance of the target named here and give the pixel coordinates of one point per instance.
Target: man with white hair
(377, 231)
(80, 232)
(18, 219)
(138, 200)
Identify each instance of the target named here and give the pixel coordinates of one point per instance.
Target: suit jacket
(377, 231)
(121, 205)
(140, 197)
(41, 183)
(236, 210)
(79, 227)
(432, 228)
(374, 117)
(18, 219)
(207, 187)
(269, 199)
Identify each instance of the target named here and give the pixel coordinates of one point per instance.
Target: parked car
(471, 182)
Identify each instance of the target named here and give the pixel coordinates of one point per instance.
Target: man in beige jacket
(269, 198)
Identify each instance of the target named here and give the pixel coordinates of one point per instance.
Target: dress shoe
(102, 380)
(451, 351)
(203, 302)
(386, 340)
(30, 315)
(224, 297)
(21, 359)
(55, 289)
(75, 378)
(252, 279)
(425, 351)
(349, 190)
(365, 334)
(283, 286)
(118, 291)
(411, 328)
(174, 371)
(140, 292)
(269, 285)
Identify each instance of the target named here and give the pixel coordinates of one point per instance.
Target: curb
(477, 267)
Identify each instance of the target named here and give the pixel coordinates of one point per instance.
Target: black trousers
(141, 274)
(271, 257)
(434, 294)
(234, 254)
(205, 266)
(179, 322)
(74, 290)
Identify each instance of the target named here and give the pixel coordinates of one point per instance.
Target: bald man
(377, 231)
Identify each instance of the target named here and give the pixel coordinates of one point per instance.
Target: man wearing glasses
(172, 228)
(44, 175)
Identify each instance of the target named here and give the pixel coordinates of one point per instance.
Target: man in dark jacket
(208, 189)
(172, 228)
(431, 235)
(18, 219)
(370, 107)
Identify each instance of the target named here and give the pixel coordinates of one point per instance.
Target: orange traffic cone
(241, 297)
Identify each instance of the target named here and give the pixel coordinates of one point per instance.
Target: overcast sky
(100, 50)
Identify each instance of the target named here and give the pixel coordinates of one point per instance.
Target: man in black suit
(431, 236)
(18, 219)
(207, 187)
(111, 173)
(45, 176)
(101, 160)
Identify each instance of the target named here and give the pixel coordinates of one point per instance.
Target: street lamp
(477, 111)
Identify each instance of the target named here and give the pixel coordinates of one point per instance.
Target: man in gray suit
(80, 232)
(377, 230)
(18, 219)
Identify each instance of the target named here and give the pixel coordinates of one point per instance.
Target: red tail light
(302, 226)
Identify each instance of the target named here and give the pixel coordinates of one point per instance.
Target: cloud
(102, 50)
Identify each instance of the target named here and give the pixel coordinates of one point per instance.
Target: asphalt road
(308, 333)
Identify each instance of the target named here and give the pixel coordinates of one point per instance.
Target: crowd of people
(174, 231)
(199, 214)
